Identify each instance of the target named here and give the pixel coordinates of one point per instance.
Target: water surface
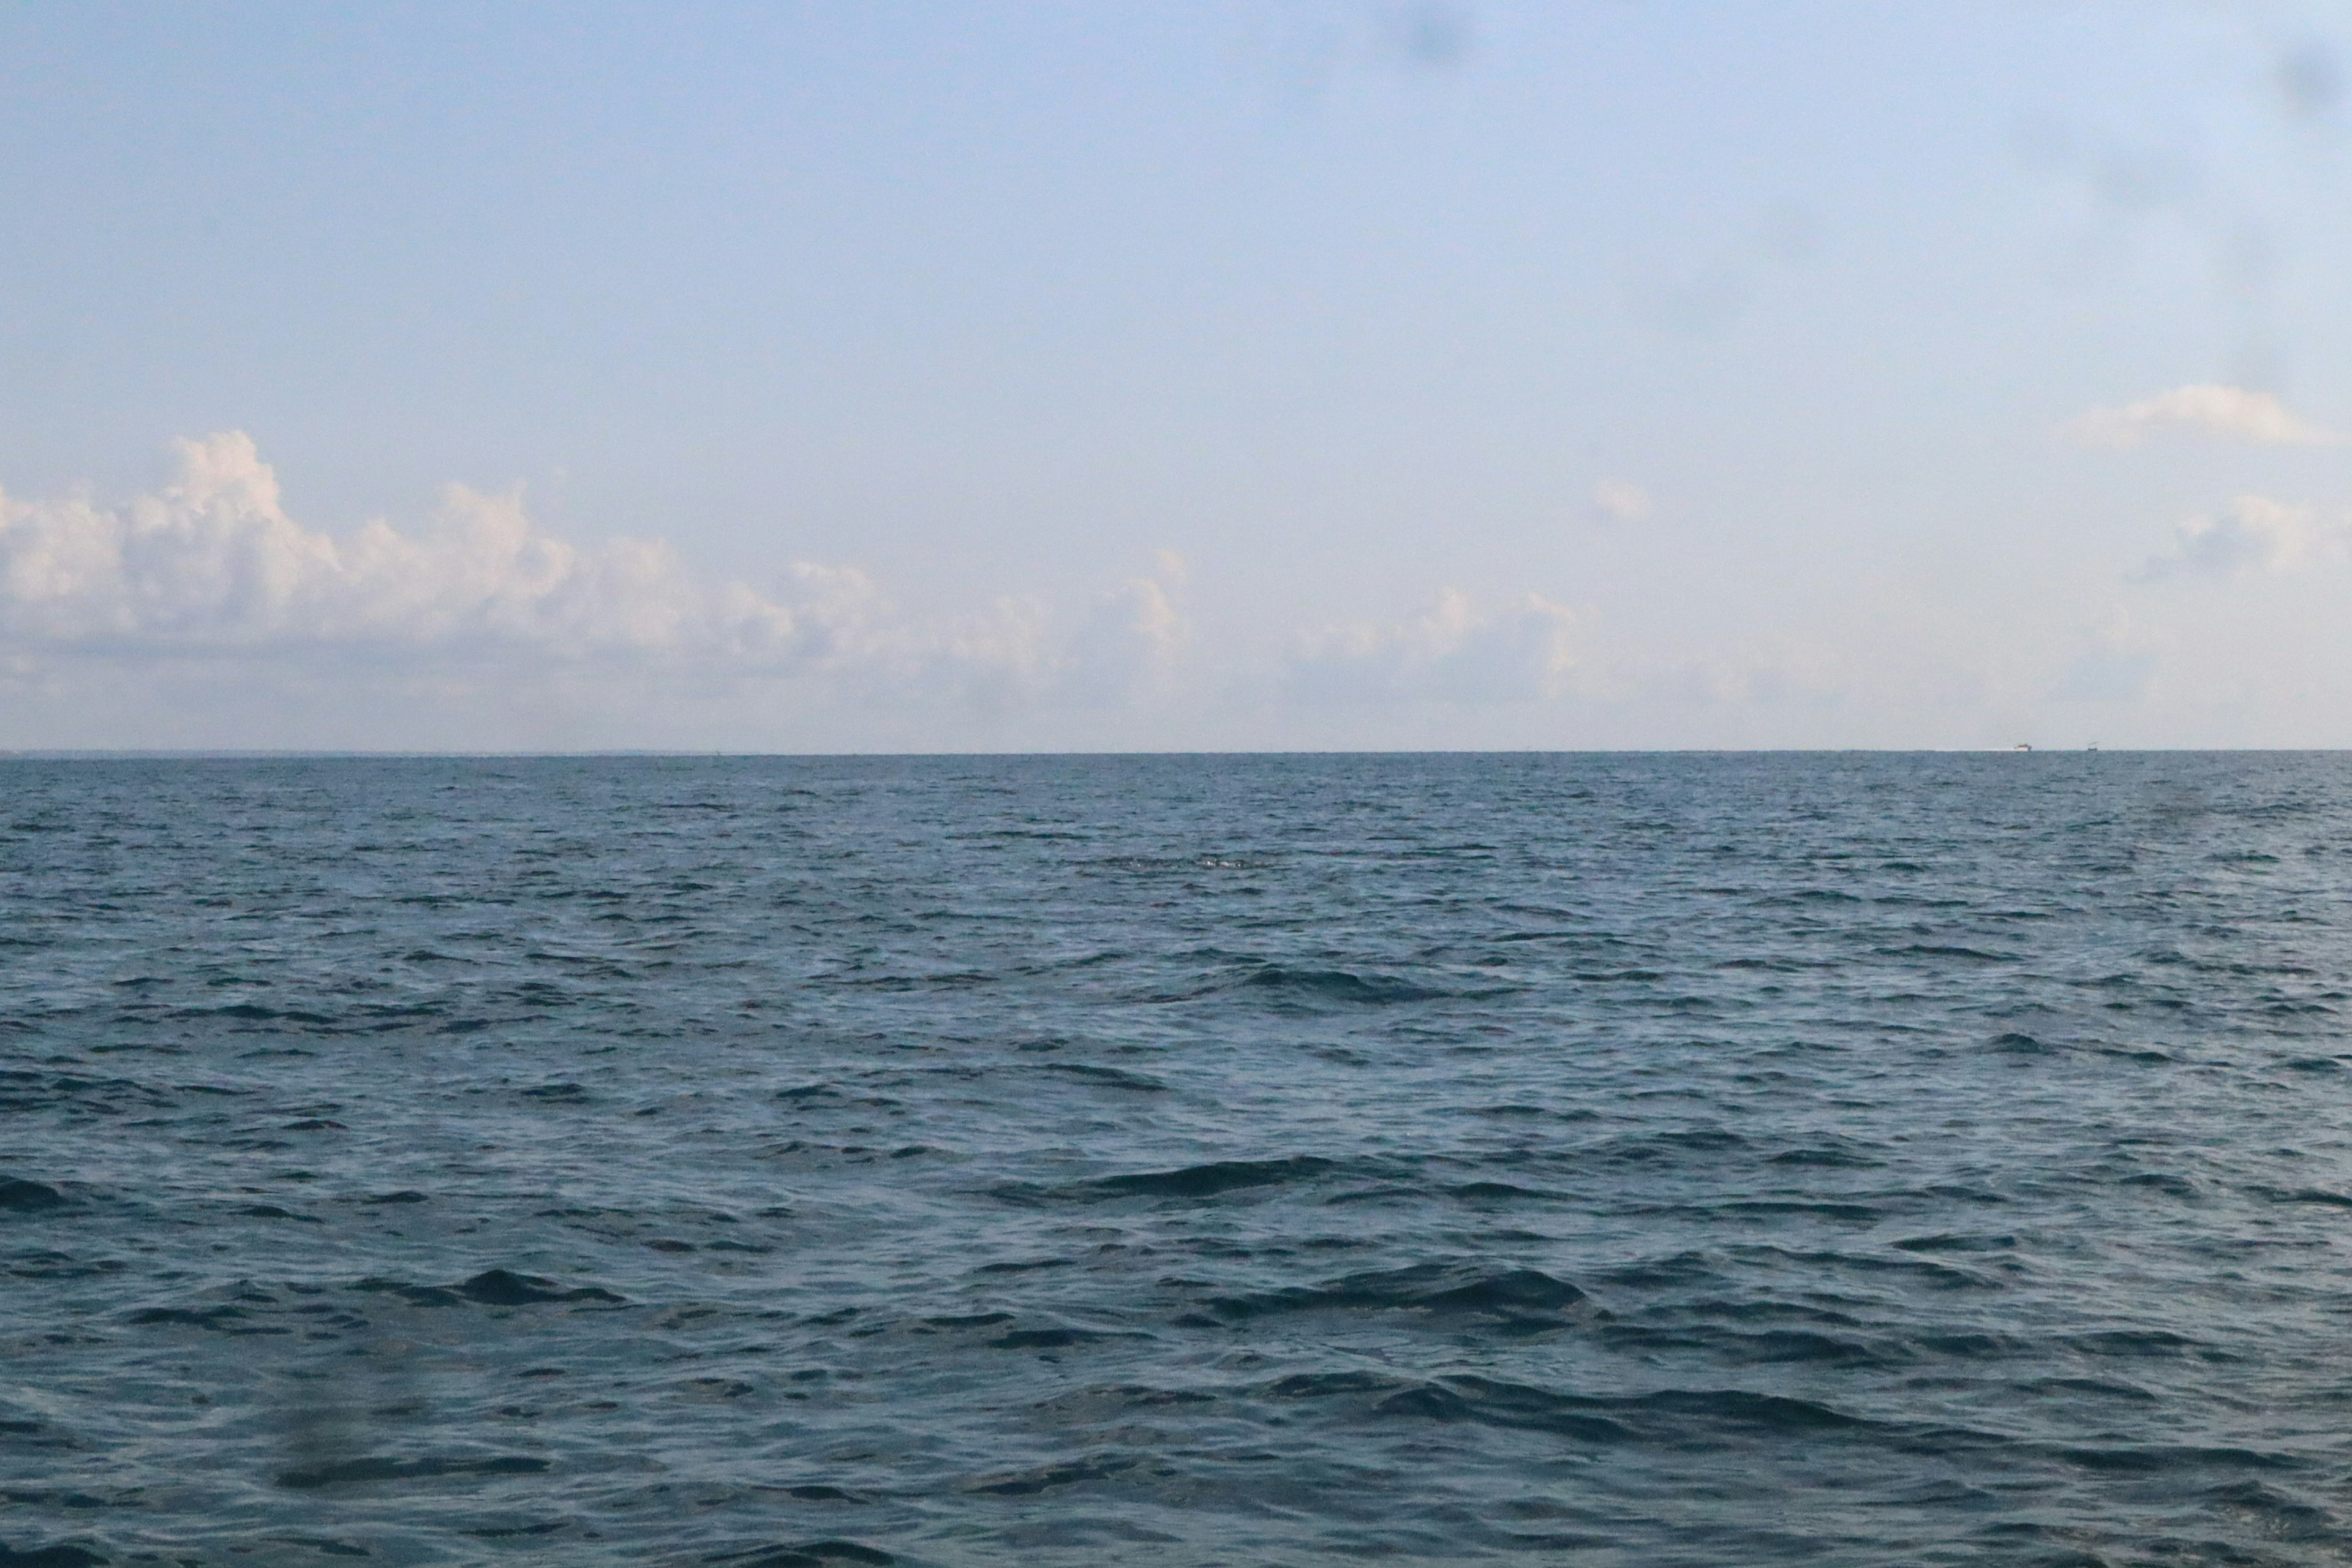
(1845, 1159)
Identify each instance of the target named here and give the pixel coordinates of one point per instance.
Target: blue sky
(1078, 376)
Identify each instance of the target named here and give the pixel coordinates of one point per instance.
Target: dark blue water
(1850, 1160)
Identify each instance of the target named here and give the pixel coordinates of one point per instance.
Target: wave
(813, 1555)
(491, 1287)
(1048, 1478)
(1519, 1298)
(1282, 983)
(1107, 1078)
(1213, 1179)
(1338, 985)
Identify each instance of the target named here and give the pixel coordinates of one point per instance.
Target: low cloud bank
(211, 565)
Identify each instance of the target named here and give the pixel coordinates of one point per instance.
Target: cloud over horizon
(210, 566)
(212, 563)
(1453, 653)
(200, 613)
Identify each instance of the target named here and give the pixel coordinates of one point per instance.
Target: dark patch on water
(378, 1471)
(18, 1195)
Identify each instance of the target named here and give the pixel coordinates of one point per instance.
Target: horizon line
(233, 753)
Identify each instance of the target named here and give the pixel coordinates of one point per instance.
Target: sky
(1293, 375)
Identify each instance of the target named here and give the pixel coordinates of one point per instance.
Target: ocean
(1825, 1159)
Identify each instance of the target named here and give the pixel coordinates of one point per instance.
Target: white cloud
(1620, 500)
(212, 561)
(2229, 412)
(1123, 651)
(2256, 534)
(1130, 644)
(1454, 653)
(210, 571)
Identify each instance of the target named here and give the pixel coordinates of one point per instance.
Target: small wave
(1331, 1384)
(2140, 1342)
(1178, 863)
(2319, 1195)
(1739, 1407)
(219, 1318)
(1646, 1148)
(1668, 1416)
(1284, 983)
(1050, 1477)
(2097, 1387)
(254, 1013)
(2147, 1459)
(1768, 1348)
(1681, 1271)
(1025, 1265)
(1953, 1242)
(1055, 1338)
(1524, 1298)
(491, 1287)
(1826, 1158)
(2282, 1516)
(1966, 954)
(814, 1554)
(1504, 1192)
(1490, 1403)
(1108, 1078)
(1218, 1176)
(1340, 985)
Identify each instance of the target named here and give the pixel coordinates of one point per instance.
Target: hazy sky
(1295, 373)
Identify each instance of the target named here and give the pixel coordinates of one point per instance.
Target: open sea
(1627, 1160)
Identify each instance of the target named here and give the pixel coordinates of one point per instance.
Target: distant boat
(2023, 746)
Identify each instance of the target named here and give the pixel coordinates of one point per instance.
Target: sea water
(1612, 1160)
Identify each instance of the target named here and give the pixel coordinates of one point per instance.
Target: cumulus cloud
(2231, 413)
(2256, 534)
(1454, 653)
(209, 570)
(213, 562)
(1620, 500)
(1130, 644)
